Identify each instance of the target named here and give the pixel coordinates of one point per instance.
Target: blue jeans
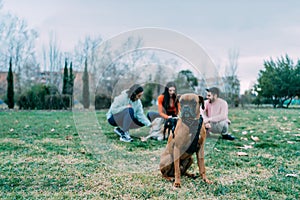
(125, 120)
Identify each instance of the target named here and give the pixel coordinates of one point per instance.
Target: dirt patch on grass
(13, 141)
(55, 141)
(227, 178)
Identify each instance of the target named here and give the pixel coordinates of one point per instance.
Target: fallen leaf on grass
(243, 138)
(291, 175)
(285, 118)
(26, 126)
(297, 135)
(246, 147)
(244, 132)
(68, 126)
(254, 138)
(11, 130)
(82, 151)
(258, 165)
(153, 159)
(218, 150)
(56, 122)
(52, 130)
(242, 153)
(69, 137)
(290, 142)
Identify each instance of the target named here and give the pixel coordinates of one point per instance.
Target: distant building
(3, 83)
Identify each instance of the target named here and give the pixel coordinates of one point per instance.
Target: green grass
(58, 155)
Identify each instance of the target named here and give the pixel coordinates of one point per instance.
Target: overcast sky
(258, 29)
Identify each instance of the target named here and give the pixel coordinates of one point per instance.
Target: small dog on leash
(170, 125)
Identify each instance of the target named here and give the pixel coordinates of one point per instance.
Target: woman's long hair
(166, 101)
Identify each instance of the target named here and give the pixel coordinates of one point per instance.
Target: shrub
(58, 102)
(148, 95)
(35, 98)
(102, 101)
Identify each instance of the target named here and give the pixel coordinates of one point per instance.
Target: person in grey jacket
(126, 112)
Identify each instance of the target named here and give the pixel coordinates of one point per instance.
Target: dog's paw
(169, 178)
(190, 175)
(207, 181)
(177, 185)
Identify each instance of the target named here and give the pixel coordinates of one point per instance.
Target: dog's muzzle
(187, 112)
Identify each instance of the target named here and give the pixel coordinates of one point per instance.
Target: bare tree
(231, 81)
(119, 63)
(17, 41)
(87, 50)
(53, 61)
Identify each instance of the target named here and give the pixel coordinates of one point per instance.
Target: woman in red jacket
(168, 104)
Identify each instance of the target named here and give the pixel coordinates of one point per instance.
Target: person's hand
(207, 125)
(170, 116)
(206, 121)
(129, 106)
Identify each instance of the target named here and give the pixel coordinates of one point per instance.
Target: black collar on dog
(195, 130)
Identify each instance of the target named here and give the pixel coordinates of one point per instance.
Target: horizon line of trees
(278, 84)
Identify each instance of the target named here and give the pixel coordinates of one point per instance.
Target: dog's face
(190, 105)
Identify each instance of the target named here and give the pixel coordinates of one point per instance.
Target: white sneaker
(127, 136)
(125, 139)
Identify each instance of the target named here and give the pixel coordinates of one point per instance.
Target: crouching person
(126, 112)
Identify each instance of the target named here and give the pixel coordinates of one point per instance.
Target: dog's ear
(201, 101)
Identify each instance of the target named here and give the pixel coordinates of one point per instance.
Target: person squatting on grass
(168, 107)
(126, 112)
(215, 114)
(168, 104)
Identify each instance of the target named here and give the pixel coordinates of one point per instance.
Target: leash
(192, 124)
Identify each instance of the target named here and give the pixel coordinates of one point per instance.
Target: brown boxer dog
(188, 138)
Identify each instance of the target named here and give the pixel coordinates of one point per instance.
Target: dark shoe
(228, 137)
(119, 131)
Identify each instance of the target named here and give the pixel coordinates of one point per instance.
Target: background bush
(58, 102)
(102, 102)
(42, 96)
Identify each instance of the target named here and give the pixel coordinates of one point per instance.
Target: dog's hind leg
(185, 165)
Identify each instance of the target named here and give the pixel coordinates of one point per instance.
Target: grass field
(65, 155)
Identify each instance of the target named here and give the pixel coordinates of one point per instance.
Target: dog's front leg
(201, 164)
(176, 166)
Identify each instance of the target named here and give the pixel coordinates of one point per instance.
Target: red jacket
(162, 111)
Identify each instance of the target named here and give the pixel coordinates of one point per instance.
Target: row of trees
(279, 82)
(47, 96)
